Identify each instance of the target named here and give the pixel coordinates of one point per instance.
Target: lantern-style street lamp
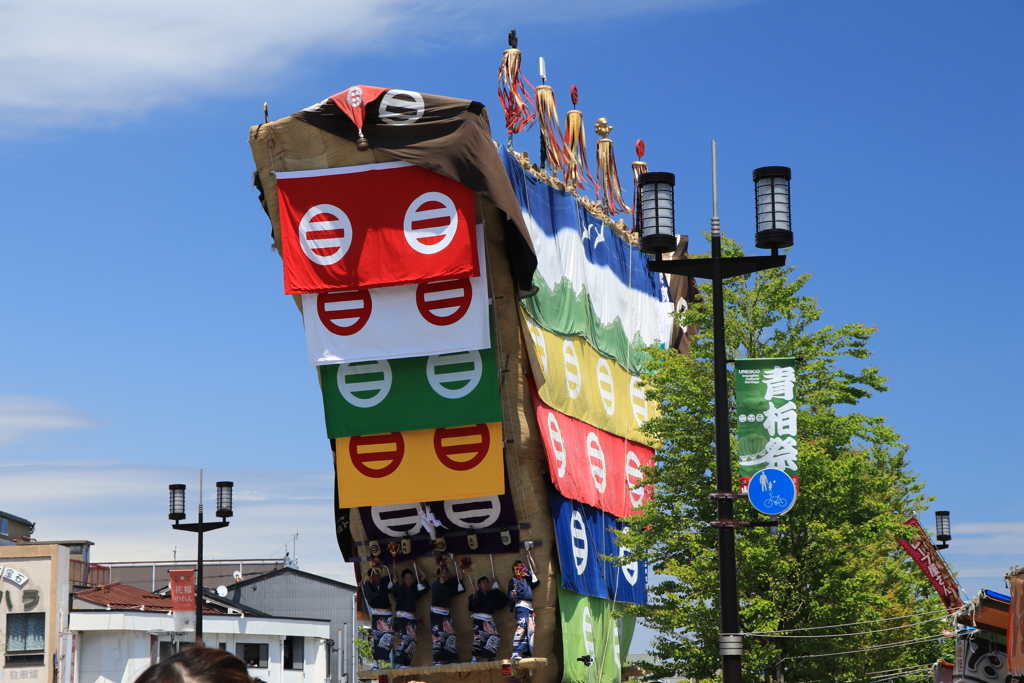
(773, 232)
(942, 529)
(177, 513)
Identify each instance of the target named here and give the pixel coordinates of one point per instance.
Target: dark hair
(197, 665)
(407, 572)
(482, 578)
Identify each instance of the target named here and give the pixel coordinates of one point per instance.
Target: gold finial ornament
(602, 128)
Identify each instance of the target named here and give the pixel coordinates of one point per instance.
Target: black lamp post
(177, 513)
(773, 231)
(942, 529)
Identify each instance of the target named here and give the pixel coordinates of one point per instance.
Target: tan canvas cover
(292, 145)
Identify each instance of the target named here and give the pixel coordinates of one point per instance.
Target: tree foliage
(837, 559)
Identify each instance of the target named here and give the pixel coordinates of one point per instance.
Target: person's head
(442, 572)
(373, 574)
(197, 665)
(482, 583)
(407, 577)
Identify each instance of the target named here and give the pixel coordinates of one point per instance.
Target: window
(294, 652)
(255, 655)
(3, 526)
(26, 638)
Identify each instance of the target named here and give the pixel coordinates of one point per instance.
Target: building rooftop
(121, 597)
(15, 518)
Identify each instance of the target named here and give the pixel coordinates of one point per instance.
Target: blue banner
(584, 534)
(591, 281)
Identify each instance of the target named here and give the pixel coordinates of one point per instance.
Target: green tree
(837, 559)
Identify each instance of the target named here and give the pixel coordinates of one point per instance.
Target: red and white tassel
(512, 91)
(575, 147)
(639, 168)
(607, 172)
(552, 143)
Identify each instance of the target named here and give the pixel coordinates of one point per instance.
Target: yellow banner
(420, 466)
(575, 379)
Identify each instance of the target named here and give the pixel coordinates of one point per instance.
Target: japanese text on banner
(766, 415)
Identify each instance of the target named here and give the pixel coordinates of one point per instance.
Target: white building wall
(115, 647)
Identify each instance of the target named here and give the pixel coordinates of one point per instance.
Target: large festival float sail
(479, 329)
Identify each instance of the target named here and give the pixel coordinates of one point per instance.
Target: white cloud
(67, 62)
(23, 416)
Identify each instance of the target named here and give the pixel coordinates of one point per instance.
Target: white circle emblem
(598, 468)
(424, 239)
(458, 383)
(572, 369)
(580, 548)
(353, 389)
(401, 107)
(337, 243)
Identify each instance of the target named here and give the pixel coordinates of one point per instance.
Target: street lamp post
(773, 231)
(177, 513)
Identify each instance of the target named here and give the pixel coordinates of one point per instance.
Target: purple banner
(491, 518)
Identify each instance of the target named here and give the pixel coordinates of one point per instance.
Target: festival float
(479, 327)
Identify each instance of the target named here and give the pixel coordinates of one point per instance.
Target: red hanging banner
(591, 466)
(921, 550)
(378, 225)
(183, 598)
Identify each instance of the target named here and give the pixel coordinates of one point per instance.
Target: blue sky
(145, 334)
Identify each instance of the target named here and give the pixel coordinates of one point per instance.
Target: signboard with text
(766, 411)
(183, 599)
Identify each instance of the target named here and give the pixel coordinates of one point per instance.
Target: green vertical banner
(591, 629)
(766, 416)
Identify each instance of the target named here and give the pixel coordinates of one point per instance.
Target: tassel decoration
(551, 139)
(639, 168)
(512, 89)
(609, 189)
(575, 147)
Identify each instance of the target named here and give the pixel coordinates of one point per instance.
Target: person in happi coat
(520, 601)
(442, 632)
(406, 594)
(483, 604)
(376, 593)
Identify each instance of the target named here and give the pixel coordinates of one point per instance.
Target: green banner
(590, 628)
(408, 394)
(766, 415)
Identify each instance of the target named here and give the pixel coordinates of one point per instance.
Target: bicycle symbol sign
(772, 491)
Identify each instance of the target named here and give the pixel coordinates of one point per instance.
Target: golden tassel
(551, 140)
(515, 98)
(575, 147)
(607, 173)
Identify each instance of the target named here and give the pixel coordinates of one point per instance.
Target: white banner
(399, 322)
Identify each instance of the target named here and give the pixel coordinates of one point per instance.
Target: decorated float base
(458, 667)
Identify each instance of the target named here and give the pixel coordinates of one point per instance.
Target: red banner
(592, 466)
(921, 550)
(1015, 631)
(378, 225)
(183, 598)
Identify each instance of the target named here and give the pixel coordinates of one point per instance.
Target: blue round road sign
(771, 491)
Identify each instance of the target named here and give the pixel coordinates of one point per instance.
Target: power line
(884, 646)
(852, 623)
(780, 634)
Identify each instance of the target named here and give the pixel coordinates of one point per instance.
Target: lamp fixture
(177, 512)
(771, 201)
(224, 499)
(656, 212)
(942, 532)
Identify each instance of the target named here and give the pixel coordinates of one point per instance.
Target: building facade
(292, 592)
(34, 582)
